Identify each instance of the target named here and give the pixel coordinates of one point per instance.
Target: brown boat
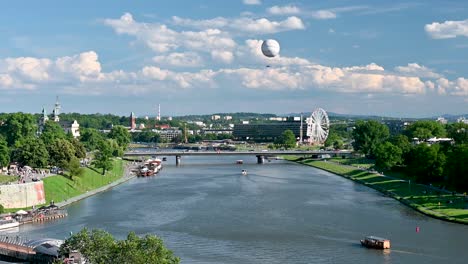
(375, 242)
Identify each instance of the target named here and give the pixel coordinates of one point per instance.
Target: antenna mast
(300, 132)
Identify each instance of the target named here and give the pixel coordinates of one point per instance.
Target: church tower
(56, 111)
(132, 121)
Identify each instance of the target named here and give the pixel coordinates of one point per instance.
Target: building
(71, 127)
(169, 133)
(215, 117)
(266, 132)
(442, 120)
(216, 131)
(227, 117)
(68, 127)
(462, 120)
(132, 121)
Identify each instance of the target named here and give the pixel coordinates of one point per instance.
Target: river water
(281, 212)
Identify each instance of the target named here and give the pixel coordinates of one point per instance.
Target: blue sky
(394, 58)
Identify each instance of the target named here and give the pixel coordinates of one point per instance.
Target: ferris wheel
(318, 126)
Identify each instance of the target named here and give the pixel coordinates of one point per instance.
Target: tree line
(442, 163)
(22, 142)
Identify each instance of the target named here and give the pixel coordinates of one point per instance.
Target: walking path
(128, 174)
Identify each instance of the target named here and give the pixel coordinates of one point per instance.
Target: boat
(244, 172)
(8, 223)
(150, 167)
(375, 242)
(239, 162)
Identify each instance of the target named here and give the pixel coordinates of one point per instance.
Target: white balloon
(270, 48)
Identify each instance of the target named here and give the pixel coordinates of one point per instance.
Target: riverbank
(425, 199)
(127, 175)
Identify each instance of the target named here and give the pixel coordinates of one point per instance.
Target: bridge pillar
(177, 160)
(260, 159)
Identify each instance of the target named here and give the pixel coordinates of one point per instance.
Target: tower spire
(159, 112)
(56, 111)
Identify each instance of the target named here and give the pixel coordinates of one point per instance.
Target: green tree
(18, 126)
(103, 156)
(287, 139)
(457, 168)
(426, 163)
(459, 132)
(425, 129)
(51, 132)
(334, 140)
(91, 138)
(387, 155)
(101, 247)
(80, 150)
(4, 153)
(61, 152)
(368, 135)
(121, 135)
(31, 151)
(74, 168)
(116, 150)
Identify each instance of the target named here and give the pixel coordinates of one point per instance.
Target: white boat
(8, 223)
(244, 172)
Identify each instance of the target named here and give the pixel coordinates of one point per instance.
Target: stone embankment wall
(22, 195)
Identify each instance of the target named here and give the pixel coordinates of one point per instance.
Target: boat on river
(244, 172)
(150, 167)
(375, 242)
(8, 223)
(239, 161)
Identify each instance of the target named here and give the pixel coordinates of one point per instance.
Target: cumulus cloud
(447, 29)
(284, 10)
(184, 59)
(414, 69)
(222, 56)
(252, 2)
(162, 39)
(243, 24)
(459, 87)
(82, 74)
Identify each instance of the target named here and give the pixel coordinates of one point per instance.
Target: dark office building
(267, 132)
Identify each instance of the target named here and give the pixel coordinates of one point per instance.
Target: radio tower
(300, 132)
(159, 113)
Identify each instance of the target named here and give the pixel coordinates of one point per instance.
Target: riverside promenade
(128, 174)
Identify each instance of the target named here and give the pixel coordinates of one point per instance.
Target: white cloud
(243, 24)
(252, 2)
(459, 87)
(162, 39)
(222, 56)
(414, 69)
(82, 74)
(447, 29)
(323, 14)
(284, 10)
(184, 59)
(154, 73)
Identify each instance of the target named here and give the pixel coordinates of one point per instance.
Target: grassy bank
(59, 188)
(449, 207)
(4, 179)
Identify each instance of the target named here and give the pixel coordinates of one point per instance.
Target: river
(281, 212)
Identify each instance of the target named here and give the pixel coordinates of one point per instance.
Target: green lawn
(421, 197)
(358, 162)
(60, 188)
(7, 178)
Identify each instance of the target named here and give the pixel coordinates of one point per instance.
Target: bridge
(261, 155)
